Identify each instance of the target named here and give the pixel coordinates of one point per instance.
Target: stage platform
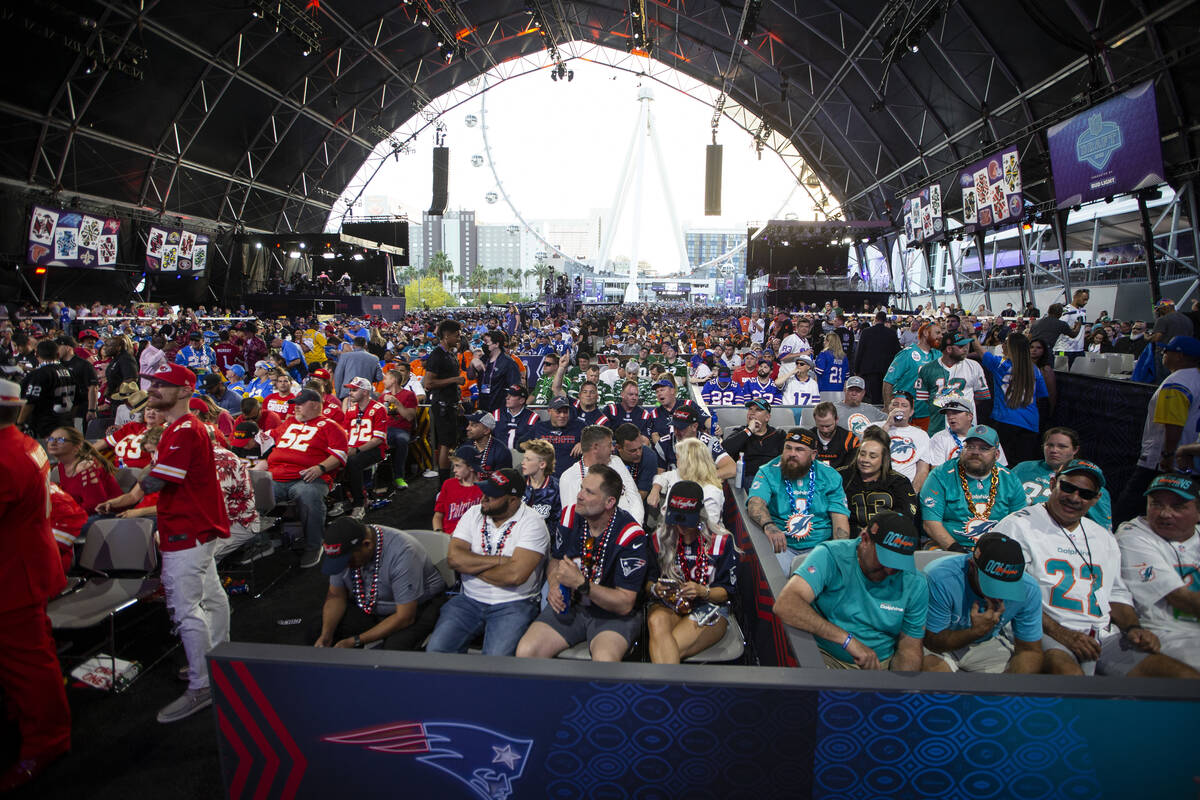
(272, 305)
(848, 299)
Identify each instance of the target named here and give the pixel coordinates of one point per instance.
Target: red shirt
(227, 354)
(91, 485)
(126, 442)
(406, 398)
(267, 420)
(300, 445)
(279, 404)
(453, 501)
(365, 424)
(66, 522)
(30, 566)
(332, 409)
(191, 507)
(741, 375)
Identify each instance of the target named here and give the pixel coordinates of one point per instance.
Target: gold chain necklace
(972, 506)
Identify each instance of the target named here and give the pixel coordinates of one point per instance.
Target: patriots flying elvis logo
(486, 761)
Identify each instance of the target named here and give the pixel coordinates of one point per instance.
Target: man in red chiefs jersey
(366, 425)
(253, 411)
(191, 518)
(30, 574)
(300, 454)
(280, 400)
(331, 407)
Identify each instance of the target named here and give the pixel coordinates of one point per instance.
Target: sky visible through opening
(560, 148)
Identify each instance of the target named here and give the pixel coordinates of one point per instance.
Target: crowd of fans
(930, 432)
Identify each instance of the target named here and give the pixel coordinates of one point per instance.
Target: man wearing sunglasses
(1088, 620)
(964, 497)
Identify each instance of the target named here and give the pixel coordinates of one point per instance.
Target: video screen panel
(992, 193)
(176, 250)
(65, 238)
(1109, 149)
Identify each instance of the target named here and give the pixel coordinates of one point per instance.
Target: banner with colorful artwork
(923, 215)
(992, 193)
(64, 238)
(1109, 149)
(176, 250)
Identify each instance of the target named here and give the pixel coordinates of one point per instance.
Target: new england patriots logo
(486, 761)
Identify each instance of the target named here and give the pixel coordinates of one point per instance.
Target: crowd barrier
(1109, 415)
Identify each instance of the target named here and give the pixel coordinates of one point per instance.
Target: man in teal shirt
(902, 374)
(953, 520)
(798, 500)
(863, 599)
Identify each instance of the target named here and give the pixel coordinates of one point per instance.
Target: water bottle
(741, 471)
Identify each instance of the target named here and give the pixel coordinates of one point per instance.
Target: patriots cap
(895, 539)
(683, 504)
(684, 416)
(483, 418)
(172, 374)
(559, 402)
(1083, 465)
(1000, 563)
(1183, 485)
(468, 455)
(339, 542)
(503, 482)
(517, 390)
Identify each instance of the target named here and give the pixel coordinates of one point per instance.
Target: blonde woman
(82, 472)
(832, 368)
(694, 462)
(692, 577)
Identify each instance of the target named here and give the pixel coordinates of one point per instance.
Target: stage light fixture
(356, 257)
(258, 245)
(329, 255)
(302, 245)
(39, 271)
(294, 254)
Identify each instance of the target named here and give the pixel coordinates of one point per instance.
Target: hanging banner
(176, 250)
(1109, 149)
(991, 191)
(64, 238)
(923, 215)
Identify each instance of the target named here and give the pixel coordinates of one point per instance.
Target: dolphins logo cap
(895, 540)
(1000, 563)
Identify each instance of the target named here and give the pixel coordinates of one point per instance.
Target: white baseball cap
(360, 382)
(10, 394)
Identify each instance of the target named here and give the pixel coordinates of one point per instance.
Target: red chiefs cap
(172, 374)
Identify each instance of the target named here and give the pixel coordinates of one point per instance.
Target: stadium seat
(121, 553)
(97, 428)
(923, 558)
(127, 478)
(1061, 363)
(730, 647)
(437, 545)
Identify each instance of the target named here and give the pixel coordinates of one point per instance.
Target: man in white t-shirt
(1088, 620)
(1072, 313)
(596, 447)
(945, 444)
(498, 548)
(910, 444)
(1160, 562)
(793, 346)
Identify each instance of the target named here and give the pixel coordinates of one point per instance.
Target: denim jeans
(352, 475)
(397, 442)
(310, 502)
(462, 618)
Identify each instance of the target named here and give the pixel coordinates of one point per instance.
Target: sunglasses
(1070, 488)
(56, 439)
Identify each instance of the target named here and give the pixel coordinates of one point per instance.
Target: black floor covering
(119, 750)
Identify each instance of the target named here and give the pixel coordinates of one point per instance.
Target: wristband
(358, 643)
(321, 467)
(849, 637)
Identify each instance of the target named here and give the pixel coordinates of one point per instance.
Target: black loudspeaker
(441, 179)
(712, 180)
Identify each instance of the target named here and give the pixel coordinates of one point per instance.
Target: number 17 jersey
(1078, 571)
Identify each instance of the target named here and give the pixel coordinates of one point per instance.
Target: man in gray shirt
(357, 363)
(852, 413)
(382, 586)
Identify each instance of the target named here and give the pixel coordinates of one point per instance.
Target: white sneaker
(186, 704)
(336, 510)
(430, 473)
(358, 512)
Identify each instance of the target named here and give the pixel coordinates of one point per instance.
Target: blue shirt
(715, 394)
(291, 351)
(951, 599)
(831, 372)
(875, 613)
(752, 390)
(805, 525)
(1026, 417)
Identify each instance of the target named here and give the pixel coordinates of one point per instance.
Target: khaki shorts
(990, 656)
(836, 663)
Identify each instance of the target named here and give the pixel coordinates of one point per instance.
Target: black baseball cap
(517, 390)
(305, 396)
(895, 539)
(468, 454)
(242, 442)
(801, 436)
(506, 481)
(559, 402)
(683, 504)
(1000, 564)
(340, 541)
(758, 402)
(684, 416)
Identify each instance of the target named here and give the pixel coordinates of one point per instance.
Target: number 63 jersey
(300, 445)
(1078, 571)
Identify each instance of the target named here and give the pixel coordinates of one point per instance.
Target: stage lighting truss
(639, 42)
(291, 19)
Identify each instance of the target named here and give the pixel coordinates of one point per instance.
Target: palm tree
(440, 265)
(477, 280)
(542, 270)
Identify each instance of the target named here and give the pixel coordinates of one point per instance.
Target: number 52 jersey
(300, 445)
(1079, 571)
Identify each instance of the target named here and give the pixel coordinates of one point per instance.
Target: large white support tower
(630, 183)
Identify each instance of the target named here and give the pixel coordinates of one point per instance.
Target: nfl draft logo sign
(486, 761)
(1097, 144)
